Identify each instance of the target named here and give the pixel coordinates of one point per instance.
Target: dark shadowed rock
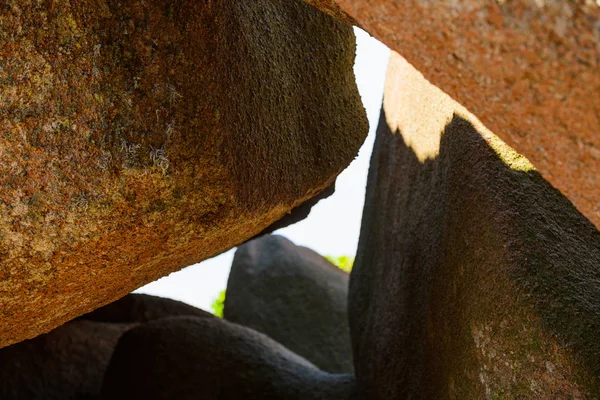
(527, 69)
(140, 137)
(474, 278)
(69, 362)
(65, 364)
(293, 295)
(212, 359)
(142, 308)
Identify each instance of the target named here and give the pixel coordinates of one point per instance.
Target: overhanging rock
(529, 70)
(137, 138)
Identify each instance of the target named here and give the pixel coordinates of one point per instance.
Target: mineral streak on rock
(140, 137)
(529, 70)
(474, 277)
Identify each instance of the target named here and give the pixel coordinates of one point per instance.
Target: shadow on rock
(209, 358)
(67, 363)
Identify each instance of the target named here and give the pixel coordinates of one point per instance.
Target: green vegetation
(344, 263)
(218, 305)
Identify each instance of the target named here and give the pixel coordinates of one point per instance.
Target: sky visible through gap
(333, 226)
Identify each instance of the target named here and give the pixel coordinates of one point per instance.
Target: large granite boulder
(527, 69)
(293, 295)
(141, 137)
(70, 361)
(474, 278)
(67, 363)
(212, 359)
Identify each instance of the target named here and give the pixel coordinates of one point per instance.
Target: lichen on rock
(137, 138)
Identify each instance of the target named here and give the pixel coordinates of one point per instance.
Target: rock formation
(527, 69)
(293, 295)
(67, 363)
(474, 278)
(70, 361)
(141, 137)
(212, 359)
(139, 308)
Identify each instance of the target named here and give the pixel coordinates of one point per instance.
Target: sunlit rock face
(475, 278)
(139, 137)
(528, 69)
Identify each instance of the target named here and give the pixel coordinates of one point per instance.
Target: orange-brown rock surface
(529, 70)
(474, 277)
(137, 138)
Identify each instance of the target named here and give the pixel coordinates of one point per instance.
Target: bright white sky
(333, 225)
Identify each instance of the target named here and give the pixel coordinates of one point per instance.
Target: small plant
(344, 263)
(218, 305)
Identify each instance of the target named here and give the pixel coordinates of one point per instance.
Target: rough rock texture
(294, 296)
(527, 69)
(137, 138)
(474, 278)
(67, 363)
(139, 308)
(209, 358)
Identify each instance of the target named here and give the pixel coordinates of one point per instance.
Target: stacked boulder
(528, 70)
(286, 337)
(212, 359)
(293, 295)
(153, 348)
(474, 277)
(70, 362)
(142, 137)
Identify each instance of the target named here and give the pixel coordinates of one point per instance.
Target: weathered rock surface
(293, 295)
(474, 278)
(139, 308)
(67, 363)
(209, 358)
(141, 137)
(527, 69)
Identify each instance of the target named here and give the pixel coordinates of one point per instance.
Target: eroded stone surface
(137, 138)
(474, 278)
(529, 70)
